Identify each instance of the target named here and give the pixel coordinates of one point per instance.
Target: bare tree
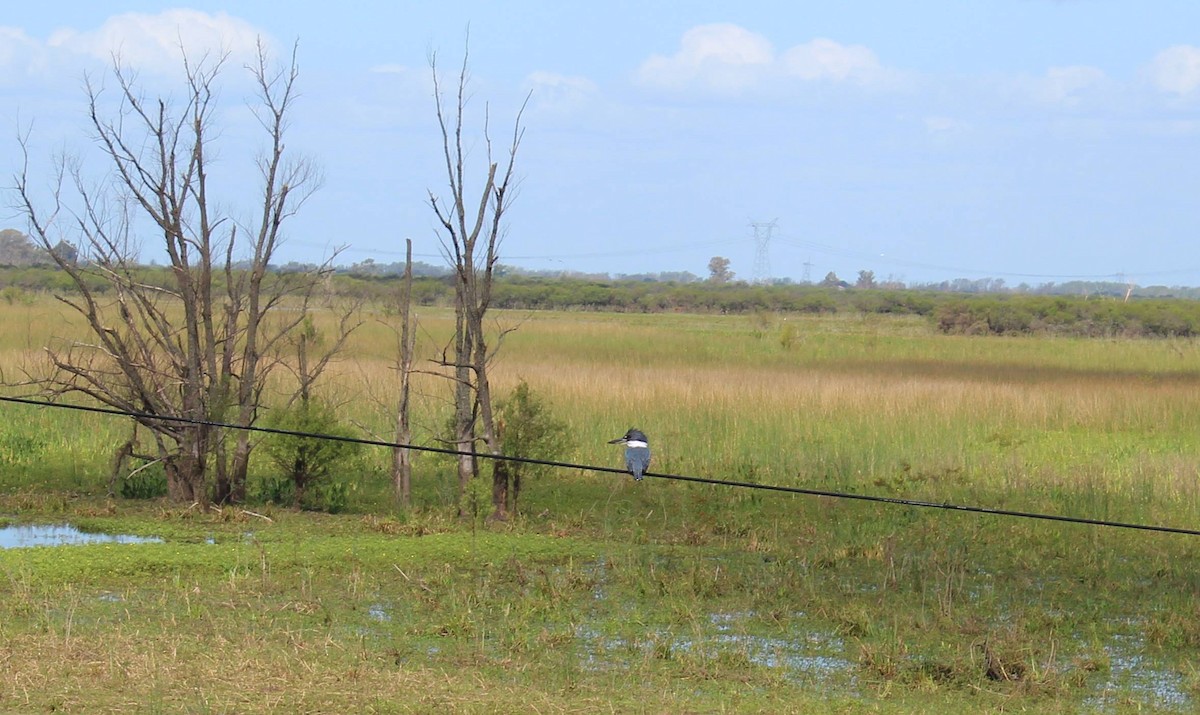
(472, 226)
(200, 340)
(401, 458)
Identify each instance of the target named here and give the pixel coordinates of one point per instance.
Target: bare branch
(187, 346)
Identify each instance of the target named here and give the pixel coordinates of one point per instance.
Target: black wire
(612, 470)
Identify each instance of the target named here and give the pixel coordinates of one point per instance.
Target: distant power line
(764, 235)
(873, 258)
(762, 254)
(635, 251)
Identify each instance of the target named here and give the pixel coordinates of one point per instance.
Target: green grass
(605, 595)
(374, 613)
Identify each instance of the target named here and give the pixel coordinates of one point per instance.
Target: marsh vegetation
(602, 594)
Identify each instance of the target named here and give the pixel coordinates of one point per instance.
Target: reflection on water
(16, 537)
(811, 656)
(1136, 676)
(803, 654)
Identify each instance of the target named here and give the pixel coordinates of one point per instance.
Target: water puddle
(24, 536)
(1141, 678)
(808, 657)
(811, 654)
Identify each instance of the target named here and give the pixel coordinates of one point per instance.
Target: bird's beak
(618, 440)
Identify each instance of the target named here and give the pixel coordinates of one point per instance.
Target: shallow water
(810, 656)
(1136, 675)
(27, 535)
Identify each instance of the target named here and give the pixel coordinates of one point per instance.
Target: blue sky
(1029, 140)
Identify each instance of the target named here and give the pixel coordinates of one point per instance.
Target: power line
(803, 491)
(762, 253)
(872, 258)
(762, 260)
(641, 251)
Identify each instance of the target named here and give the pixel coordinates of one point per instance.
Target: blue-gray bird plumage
(637, 452)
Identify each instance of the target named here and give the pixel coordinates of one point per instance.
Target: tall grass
(855, 403)
(662, 596)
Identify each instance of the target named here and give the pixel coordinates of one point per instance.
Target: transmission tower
(762, 256)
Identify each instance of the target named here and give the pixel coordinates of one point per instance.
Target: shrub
(307, 463)
(529, 429)
(147, 483)
(788, 335)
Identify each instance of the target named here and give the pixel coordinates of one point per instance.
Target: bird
(637, 452)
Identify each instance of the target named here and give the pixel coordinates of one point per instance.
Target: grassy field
(607, 595)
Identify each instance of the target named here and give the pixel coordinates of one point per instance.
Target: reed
(850, 401)
(662, 596)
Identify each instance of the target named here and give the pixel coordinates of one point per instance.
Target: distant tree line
(17, 249)
(1076, 316)
(950, 313)
(960, 307)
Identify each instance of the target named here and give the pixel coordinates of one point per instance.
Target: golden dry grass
(850, 400)
(1090, 428)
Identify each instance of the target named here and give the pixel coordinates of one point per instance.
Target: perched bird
(637, 452)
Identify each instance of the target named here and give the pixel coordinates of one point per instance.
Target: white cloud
(391, 69)
(1057, 89)
(403, 77)
(727, 58)
(1173, 127)
(155, 42)
(942, 125)
(560, 93)
(720, 57)
(20, 55)
(1066, 85)
(824, 59)
(1176, 69)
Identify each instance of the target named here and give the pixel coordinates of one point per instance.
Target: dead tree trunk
(464, 405)
(401, 456)
(472, 231)
(189, 347)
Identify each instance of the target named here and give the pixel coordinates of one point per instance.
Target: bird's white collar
(636, 443)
